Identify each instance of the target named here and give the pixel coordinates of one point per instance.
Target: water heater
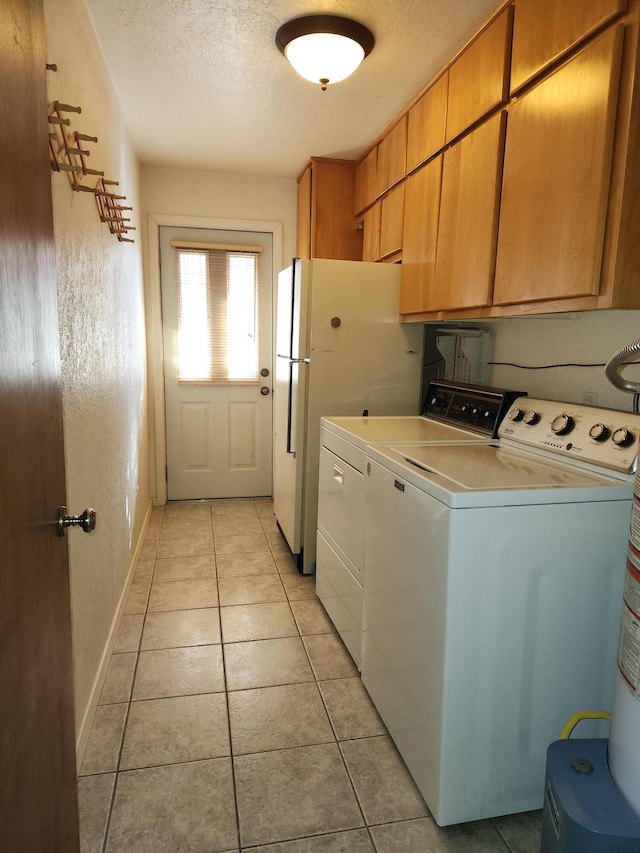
(624, 737)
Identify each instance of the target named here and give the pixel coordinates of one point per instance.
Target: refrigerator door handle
(289, 405)
(295, 360)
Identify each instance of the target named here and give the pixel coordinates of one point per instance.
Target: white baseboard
(82, 731)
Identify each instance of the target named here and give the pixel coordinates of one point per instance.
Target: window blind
(217, 312)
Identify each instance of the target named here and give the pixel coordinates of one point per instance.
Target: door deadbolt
(264, 371)
(86, 521)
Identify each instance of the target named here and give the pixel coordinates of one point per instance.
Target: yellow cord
(573, 721)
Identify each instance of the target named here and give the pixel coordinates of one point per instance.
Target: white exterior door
(219, 436)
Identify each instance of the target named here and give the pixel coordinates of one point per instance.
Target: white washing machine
(492, 598)
(454, 412)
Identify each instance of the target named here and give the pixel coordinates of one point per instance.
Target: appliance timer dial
(622, 437)
(562, 424)
(599, 432)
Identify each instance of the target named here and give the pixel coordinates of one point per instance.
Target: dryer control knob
(599, 432)
(562, 424)
(531, 417)
(622, 437)
(516, 414)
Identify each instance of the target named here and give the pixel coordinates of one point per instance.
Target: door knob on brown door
(86, 521)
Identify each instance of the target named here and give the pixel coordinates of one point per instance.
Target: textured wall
(210, 195)
(588, 337)
(187, 193)
(100, 297)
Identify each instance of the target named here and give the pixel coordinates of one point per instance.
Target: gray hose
(615, 364)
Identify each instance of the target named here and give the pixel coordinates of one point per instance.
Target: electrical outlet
(590, 398)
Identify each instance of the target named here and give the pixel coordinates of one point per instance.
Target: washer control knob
(531, 417)
(599, 432)
(562, 424)
(622, 437)
(516, 414)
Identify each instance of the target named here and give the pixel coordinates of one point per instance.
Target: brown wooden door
(556, 179)
(38, 804)
(420, 237)
(303, 244)
(392, 157)
(545, 30)
(371, 233)
(391, 218)
(426, 123)
(479, 78)
(468, 225)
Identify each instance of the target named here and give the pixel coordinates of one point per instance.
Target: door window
(217, 302)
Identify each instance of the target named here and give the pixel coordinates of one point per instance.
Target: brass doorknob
(86, 521)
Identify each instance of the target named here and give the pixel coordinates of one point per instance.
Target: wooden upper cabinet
(556, 179)
(303, 233)
(419, 238)
(391, 219)
(427, 123)
(366, 190)
(326, 227)
(479, 78)
(392, 157)
(545, 30)
(468, 226)
(371, 236)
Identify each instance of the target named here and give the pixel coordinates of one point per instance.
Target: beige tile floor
(233, 719)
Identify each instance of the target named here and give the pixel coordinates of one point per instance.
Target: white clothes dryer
(454, 412)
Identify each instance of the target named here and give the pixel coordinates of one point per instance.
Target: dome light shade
(324, 48)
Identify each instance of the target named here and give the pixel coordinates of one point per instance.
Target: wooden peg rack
(69, 153)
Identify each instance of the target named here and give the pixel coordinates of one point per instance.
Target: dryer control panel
(607, 438)
(475, 407)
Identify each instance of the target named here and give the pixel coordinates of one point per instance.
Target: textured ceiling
(203, 86)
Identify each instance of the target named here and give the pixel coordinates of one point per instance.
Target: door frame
(157, 419)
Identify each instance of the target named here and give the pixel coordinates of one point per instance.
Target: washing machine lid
(395, 430)
(465, 475)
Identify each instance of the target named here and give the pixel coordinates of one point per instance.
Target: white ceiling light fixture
(324, 48)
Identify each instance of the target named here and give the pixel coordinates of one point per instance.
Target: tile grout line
(105, 839)
(315, 679)
(226, 696)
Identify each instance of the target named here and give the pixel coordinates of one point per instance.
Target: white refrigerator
(340, 349)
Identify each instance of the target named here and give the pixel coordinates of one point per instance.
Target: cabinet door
(371, 236)
(333, 228)
(544, 30)
(392, 155)
(426, 123)
(468, 226)
(366, 182)
(303, 233)
(556, 179)
(391, 218)
(419, 237)
(479, 78)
